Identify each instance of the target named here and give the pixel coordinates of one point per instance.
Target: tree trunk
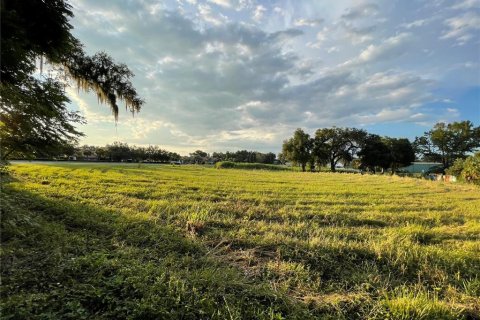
(332, 165)
(303, 167)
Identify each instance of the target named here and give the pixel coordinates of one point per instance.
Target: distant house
(421, 167)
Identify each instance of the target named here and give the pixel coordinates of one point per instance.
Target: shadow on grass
(67, 260)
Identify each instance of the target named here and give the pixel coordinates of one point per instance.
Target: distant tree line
(357, 148)
(119, 151)
(123, 152)
(202, 157)
(245, 156)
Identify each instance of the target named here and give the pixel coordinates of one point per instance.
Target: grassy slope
(162, 241)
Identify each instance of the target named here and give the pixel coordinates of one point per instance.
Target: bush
(467, 169)
(456, 168)
(225, 165)
(471, 169)
(249, 166)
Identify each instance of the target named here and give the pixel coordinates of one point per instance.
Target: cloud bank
(229, 74)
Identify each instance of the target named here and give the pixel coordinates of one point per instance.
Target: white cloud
(222, 3)
(391, 47)
(214, 80)
(361, 11)
(258, 13)
(280, 11)
(333, 49)
(307, 22)
(205, 13)
(415, 24)
(467, 4)
(388, 115)
(463, 27)
(321, 38)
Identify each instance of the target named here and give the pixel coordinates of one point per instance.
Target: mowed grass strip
(344, 246)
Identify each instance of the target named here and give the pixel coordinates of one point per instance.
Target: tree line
(123, 152)
(119, 152)
(330, 147)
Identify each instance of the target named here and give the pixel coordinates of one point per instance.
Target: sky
(222, 75)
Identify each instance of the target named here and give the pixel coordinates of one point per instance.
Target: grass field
(190, 242)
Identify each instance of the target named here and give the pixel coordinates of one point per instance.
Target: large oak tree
(34, 117)
(331, 145)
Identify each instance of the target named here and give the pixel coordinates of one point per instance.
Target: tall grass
(338, 246)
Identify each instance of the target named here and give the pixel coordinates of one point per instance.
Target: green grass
(190, 242)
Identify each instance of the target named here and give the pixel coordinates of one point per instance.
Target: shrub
(471, 169)
(249, 166)
(456, 168)
(467, 169)
(225, 165)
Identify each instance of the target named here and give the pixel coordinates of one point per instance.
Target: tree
(199, 157)
(456, 168)
(34, 118)
(281, 158)
(334, 144)
(401, 152)
(448, 142)
(298, 148)
(374, 153)
(34, 121)
(119, 151)
(385, 152)
(269, 157)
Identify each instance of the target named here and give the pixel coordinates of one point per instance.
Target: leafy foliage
(468, 169)
(39, 30)
(335, 144)
(298, 148)
(456, 168)
(374, 153)
(448, 142)
(101, 74)
(401, 152)
(471, 170)
(34, 121)
(244, 156)
(250, 166)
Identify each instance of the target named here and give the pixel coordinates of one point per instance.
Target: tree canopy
(448, 142)
(334, 144)
(401, 152)
(374, 153)
(34, 118)
(298, 148)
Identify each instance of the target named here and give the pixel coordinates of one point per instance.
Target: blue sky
(244, 74)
